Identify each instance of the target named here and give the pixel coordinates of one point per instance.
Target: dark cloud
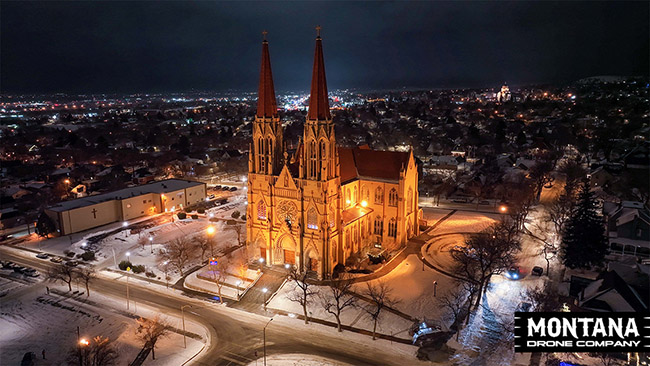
(169, 46)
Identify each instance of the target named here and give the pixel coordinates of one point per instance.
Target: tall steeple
(319, 108)
(319, 160)
(266, 105)
(266, 151)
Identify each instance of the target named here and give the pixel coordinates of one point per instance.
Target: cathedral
(323, 205)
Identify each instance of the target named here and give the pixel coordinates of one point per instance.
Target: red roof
(266, 105)
(366, 163)
(319, 108)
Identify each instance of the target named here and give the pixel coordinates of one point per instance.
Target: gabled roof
(365, 163)
(608, 281)
(319, 108)
(266, 104)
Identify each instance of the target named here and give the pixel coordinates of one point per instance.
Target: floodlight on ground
(125, 224)
(265, 290)
(364, 203)
(261, 260)
(287, 265)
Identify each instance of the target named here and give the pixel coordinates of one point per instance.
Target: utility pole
(264, 337)
(183, 317)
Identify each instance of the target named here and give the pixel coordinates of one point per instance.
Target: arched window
(379, 225)
(260, 156)
(312, 219)
(409, 202)
(392, 197)
(332, 215)
(261, 210)
(354, 195)
(365, 194)
(392, 228)
(335, 251)
(348, 201)
(269, 152)
(379, 195)
(312, 160)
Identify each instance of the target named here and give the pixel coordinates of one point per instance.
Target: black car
(537, 271)
(232, 189)
(225, 188)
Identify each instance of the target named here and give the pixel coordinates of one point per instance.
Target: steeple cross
(318, 31)
(264, 33)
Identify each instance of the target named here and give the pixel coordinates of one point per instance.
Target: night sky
(91, 47)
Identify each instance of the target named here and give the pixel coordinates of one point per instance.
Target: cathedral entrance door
(289, 257)
(263, 253)
(313, 264)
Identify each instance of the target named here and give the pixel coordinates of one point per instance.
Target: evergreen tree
(583, 242)
(44, 225)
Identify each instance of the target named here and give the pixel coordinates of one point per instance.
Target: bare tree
(380, 297)
(605, 358)
(303, 292)
(219, 274)
(540, 173)
(149, 331)
(143, 241)
(202, 243)
(63, 273)
(544, 298)
(485, 254)
(338, 298)
(100, 352)
(240, 230)
(455, 301)
(86, 275)
(178, 253)
(548, 239)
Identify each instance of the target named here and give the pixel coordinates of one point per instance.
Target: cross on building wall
(94, 211)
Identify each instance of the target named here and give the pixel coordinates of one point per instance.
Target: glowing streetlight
(165, 263)
(125, 224)
(211, 230)
(261, 260)
(67, 181)
(84, 342)
(151, 243)
(503, 209)
(364, 203)
(287, 265)
(84, 244)
(238, 284)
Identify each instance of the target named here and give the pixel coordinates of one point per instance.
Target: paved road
(236, 336)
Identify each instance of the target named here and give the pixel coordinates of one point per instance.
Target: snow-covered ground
(34, 321)
(196, 281)
(465, 222)
(414, 288)
(389, 323)
(296, 359)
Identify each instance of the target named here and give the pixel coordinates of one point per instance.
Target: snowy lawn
(389, 323)
(36, 321)
(465, 222)
(297, 359)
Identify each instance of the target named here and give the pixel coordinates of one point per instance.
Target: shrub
(150, 274)
(195, 217)
(88, 256)
(69, 253)
(201, 210)
(138, 268)
(124, 265)
(181, 215)
(235, 214)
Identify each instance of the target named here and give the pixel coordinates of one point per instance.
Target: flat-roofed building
(125, 204)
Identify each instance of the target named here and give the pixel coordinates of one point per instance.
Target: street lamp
(82, 343)
(503, 209)
(261, 261)
(435, 288)
(238, 284)
(265, 290)
(211, 230)
(264, 337)
(183, 317)
(151, 243)
(83, 245)
(125, 224)
(128, 256)
(287, 266)
(166, 278)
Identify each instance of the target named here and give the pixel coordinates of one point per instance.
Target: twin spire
(318, 103)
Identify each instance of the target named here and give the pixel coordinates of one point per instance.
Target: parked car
(56, 259)
(216, 188)
(71, 263)
(484, 203)
(232, 189)
(212, 196)
(537, 271)
(19, 269)
(42, 255)
(513, 273)
(225, 188)
(8, 265)
(31, 272)
(460, 200)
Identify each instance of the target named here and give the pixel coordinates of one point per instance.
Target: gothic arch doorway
(285, 250)
(311, 260)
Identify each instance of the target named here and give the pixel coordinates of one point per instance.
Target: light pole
(264, 337)
(151, 243)
(238, 284)
(435, 288)
(127, 287)
(183, 317)
(211, 230)
(166, 278)
(265, 290)
(128, 257)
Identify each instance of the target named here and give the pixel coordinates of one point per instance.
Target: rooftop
(163, 186)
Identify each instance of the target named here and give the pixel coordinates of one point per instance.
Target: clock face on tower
(287, 212)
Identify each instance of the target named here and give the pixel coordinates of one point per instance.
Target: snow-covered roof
(164, 186)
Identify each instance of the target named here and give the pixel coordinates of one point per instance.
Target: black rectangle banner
(582, 332)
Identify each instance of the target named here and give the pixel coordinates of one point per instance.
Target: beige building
(324, 204)
(126, 204)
